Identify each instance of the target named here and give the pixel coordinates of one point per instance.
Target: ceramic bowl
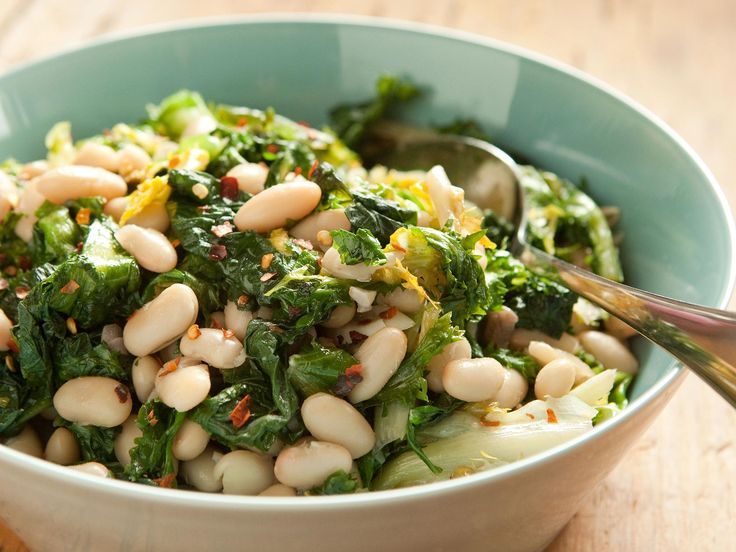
(679, 242)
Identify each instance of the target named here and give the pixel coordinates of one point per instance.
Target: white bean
(93, 400)
(521, 337)
(143, 374)
(237, 320)
(499, 326)
(190, 441)
(609, 351)
(406, 300)
(332, 264)
(251, 177)
(184, 387)
(153, 216)
(26, 441)
(380, 356)
(115, 207)
(92, 468)
(150, 248)
(217, 320)
(555, 379)
(244, 472)
(218, 348)
(331, 419)
(33, 169)
(132, 161)
(30, 200)
(77, 181)
(93, 154)
(363, 298)
(513, 389)
(279, 489)
(62, 447)
(474, 379)
(276, 206)
(457, 350)
(161, 321)
(125, 440)
(324, 221)
(309, 463)
(9, 195)
(200, 472)
(5, 326)
(365, 327)
(341, 315)
(544, 354)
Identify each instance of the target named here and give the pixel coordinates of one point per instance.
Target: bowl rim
(673, 374)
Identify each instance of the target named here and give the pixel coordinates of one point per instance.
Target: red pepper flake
(398, 247)
(297, 171)
(25, 262)
(21, 292)
(122, 393)
(551, 418)
(4, 284)
(294, 312)
(222, 229)
(243, 300)
(175, 243)
(193, 332)
(241, 413)
(169, 367)
(70, 287)
(83, 215)
(218, 252)
(272, 148)
(266, 261)
(348, 380)
(227, 334)
(13, 346)
(229, 187)
(312, 169)
(389, 313)
(242, 122)
(267, 276)
(78, 248)
(490, 423)
(357, 337)
(152, 419)
(304, 244)
(167, 481)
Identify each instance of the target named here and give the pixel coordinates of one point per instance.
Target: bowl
(679, 242)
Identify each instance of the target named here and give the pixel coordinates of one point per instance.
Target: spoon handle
(703, 338)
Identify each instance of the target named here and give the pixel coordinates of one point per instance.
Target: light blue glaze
(679, 237)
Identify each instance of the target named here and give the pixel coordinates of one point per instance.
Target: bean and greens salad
(223, 299)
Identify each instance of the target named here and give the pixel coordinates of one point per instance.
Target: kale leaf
(318, 368)
(85, 355)
(339, 482)
(95, 443)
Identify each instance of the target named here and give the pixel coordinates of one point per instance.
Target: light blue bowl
(679, 242)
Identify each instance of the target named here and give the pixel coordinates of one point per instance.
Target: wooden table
(676, 490)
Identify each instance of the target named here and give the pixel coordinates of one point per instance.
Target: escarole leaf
(55, 235)
(175, 112)
(360, 247)
(318, 368)
(378, 215)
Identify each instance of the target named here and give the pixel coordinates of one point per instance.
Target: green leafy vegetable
(339, 482)
(84, 355)
(360, 247)
(95, 443)
(318, 368)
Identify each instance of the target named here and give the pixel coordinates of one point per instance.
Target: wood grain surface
(676, 489)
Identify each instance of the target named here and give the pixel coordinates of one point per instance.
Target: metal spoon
(703, 338)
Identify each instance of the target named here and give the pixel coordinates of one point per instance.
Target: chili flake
(167, 481)
(21, 292)
(169, 367)
(152, 419)
(357, 337)
(83, 215)
(551, 418)
(122, 393)
(272, 148)
(312, 169)
(193, 332)
(218, 252)
(241, 413)
(267, 276)
(78, 248)
(389, 313)
(297, 171)
(490, 423)
(175, 243)
(242, 122)
(243, 300)
(229, 187)
(227, 334)
(266, 260)
(70, 287)
(348, 380)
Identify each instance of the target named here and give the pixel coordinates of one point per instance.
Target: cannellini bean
(237, 320)
(331, 419)
(251, 177)
(618, 328)
(366, 328)
(115, 207)
(184, 387)
(26, 441)
(555, 379)
(132, 161)
(190, 441)
(218, 348)
(62, 447)
(93, 154)
(276, 206)
(499, 326)
(200, 472)
(5, 326)
(448, 200)
(112, 336)
(341, 315)
(309, 463)
(324, 221)
(125, 440)
(544, 354)
(77, 181)
(513, 389)
(161, 321)
(279, 489)
(143, 374)
(93, 400)
(520, 339)
(92, 468)
(380, 356)
(332, 264)
(244, 472)
(150, 248)
(457, 350)
(474, 379)
(33, 169)
(406, 300)
(30, 200)
(9, 196)
(363, 298)
(609, 351)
